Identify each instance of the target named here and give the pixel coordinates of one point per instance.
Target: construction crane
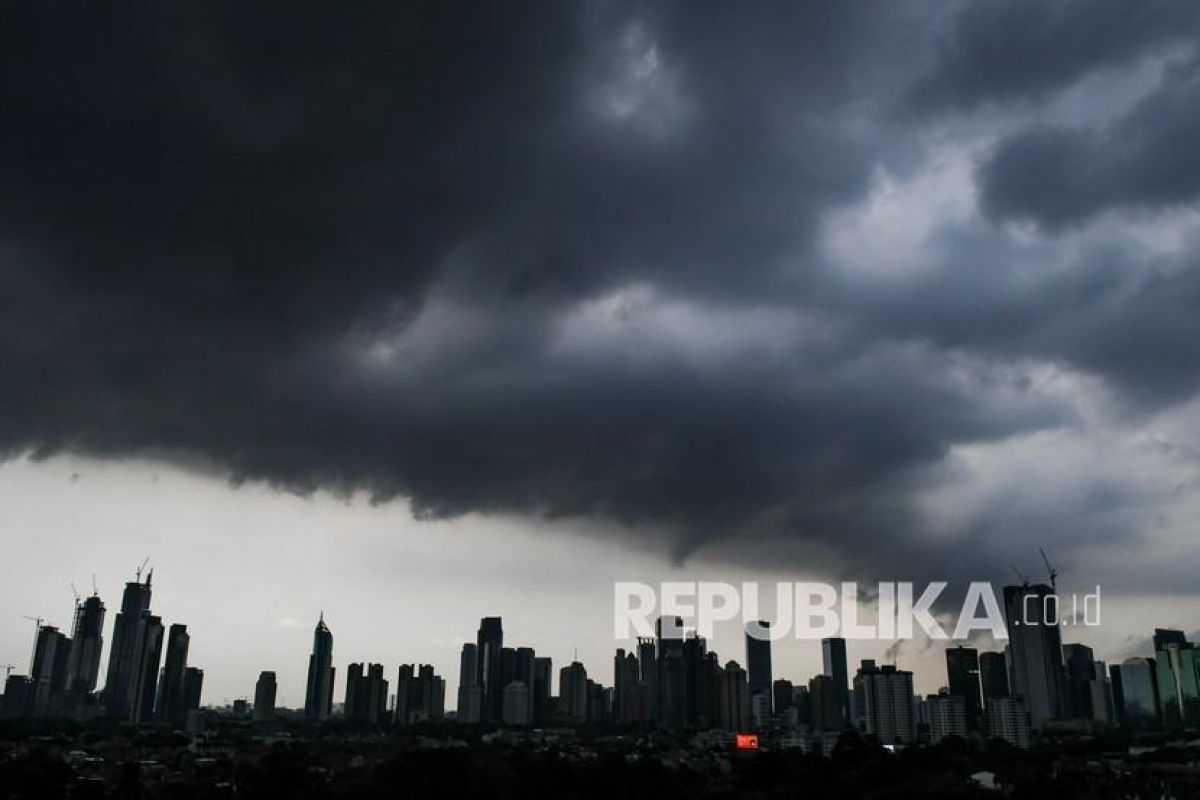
(138, 573)
(75, 592)
(1020, 576)
(1050, 570)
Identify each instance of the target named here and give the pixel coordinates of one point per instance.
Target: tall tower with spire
(123, 659)
(318, 697)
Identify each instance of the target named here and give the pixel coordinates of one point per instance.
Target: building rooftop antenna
(138, 573)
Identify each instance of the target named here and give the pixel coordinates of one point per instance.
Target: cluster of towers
(140, 686)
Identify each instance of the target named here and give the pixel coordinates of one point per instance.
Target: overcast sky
(416, 313)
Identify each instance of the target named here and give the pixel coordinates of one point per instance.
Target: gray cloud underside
(569, 261)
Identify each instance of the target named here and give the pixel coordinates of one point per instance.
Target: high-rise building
(626, 692)
(947, 716)
(1165, 636)
(884, 702)
(827, 710)
(87, 641)
(145, 684)
(170, 700)
(1035, 642)
(193, 686)
(1178, 673)
(1079, 664)
(783, 694)
(543, 672)
(734, 698)
(516, 704)
(758, 664)
(962, 673)
(123, 657)
(1008, 720)
(48, 672)
(573, 693)
(1139, 691)
(470, 694)
(264, 696)
(993, 676)
(833, 658)
(647, 657)
(366, 694)
(490, 644)
(318, 694)
(420, 695)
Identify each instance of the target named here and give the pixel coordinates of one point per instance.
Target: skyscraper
(884, 702)
(543, 672)
(626, 694)
(1079, 664)
(123, 654)
(1178, 673)
(143, 689)
(366, 694)
(1165, 636)
(470, 695)
(420, 695)
(962, 672)
(1035, 643)
(87, 641)
(833, 657)
(490, 642)
(573, 693)
(758, 662)
(993, 676)
(49, 669)
(947, 716)
(193, 686)
(826, 708)
(1139, 691)
(170, 701)
(318, 695)
(264, 696)
(734, 694)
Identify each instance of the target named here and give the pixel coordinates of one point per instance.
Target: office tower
(1036, 652)
(573, 693)
(490, 643)
(833, 657)
(1118, 693)
(672, 673)
(884, 702)
(1178, 673)
(420, 695)
(1079, 664)
(354, 687)
(542, 676)
(523, 661)
(783, 693)
(149, 648)
(626, 694)
(18, 697)
(470, 694)
(947, 716)
(758, 662)
(827, 708)
(170, 701)
(193, 685)
(1009, 720)
(87, 641)
(366, 694)
(264, 696)
(708, 712)
(802, 705)
(734, 698)
(1165, 636)
(993, 676)
(962, 673)
(647, 656)
(698, 693)
(599, 703)
(123, 654)
(48, 672)
(318, 693)
(516, 703)
(1139, 690)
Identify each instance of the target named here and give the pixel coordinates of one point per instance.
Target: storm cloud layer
(891, 286)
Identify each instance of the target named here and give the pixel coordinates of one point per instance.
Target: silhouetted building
(264, 696)
(1118, 693)
(573, 693)
(734, 698)
(962, 673)
(87, 641)
(193, 686)
(1009, 720)
(825, 701)
(51, 655)
(1178, 673)
(647, 656)
(516, 704)
(884, 702)
(1035, 643)
(1139, 691)
(993, 676)
(1165, 636)
(145, 687)
(470, 693)
(490, 644)
(420, 695)
(672, 702)
(124, 654)
(170, 701)
(543, 671)
(758, 666)
(1079, 665)
(626, 687)
(784, 694)
(318, 693)
(366, 695)
(833, 658)
(18, 697)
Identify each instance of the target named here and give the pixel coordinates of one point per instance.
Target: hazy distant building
(734, 698)
(87, 642)
(193, 686)
(962, 674)
(1035, 643)
(947, 716)
(124, 655)
(1139, 692)
(318, 694)
(883, 698)
(264, 696)
(170, 701)
(516, 704)
(758, 664)
(1009, 720)
(833, 658)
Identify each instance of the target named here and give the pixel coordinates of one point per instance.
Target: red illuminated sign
(746, 741)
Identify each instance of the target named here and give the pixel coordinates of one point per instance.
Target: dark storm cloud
(546, 259)
(1146, 159)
